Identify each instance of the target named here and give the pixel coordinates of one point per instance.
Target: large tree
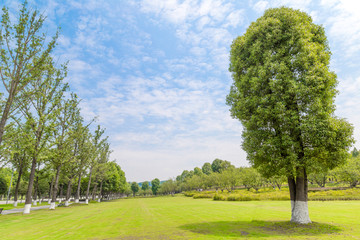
(24, 53)
(283, 93)
(43, 95)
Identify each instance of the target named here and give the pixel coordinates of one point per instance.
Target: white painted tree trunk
(86, 201)
(52, 206)
(66, 203)
(99, 200)
(40, 201)
(15, 203)
(49, 201)
(34, 202)
(27, 208)
(76, 201)
(59, 201)
(300, 212)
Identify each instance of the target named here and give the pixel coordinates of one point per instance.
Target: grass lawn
(184, 218)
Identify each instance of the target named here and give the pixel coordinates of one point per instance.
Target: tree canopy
(283, 93)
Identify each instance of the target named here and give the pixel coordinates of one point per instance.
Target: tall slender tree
(24, 54)
(63, 138)
(43, 94)
(83, 143)
(95, 153)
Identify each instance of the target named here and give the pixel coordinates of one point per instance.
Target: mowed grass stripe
(184, 218)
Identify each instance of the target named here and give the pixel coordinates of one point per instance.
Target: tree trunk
(77, 197)
(94, 191)
(68, 192)
(30, 187)
(5, 113)
(61, 192)
(36, 187)
(56, 188)
(298, 188)
(88, 187)
(101, 183)
(18, 182)
(51, 189)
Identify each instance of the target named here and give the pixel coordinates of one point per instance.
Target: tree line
(221, 175)
(44, 141)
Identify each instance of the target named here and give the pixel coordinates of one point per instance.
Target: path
(19, 210)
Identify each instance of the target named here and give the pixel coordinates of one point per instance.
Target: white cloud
(344, 25)
(234, 19)
(260, 6)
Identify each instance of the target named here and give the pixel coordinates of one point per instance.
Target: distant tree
(283, 93)
(198, 171)
(319, 177)
(355, 152)
(230, 178)
(206, 168)
(277, 181)
(350, 172)
(216, 165)
(127, 190)
(168, 187)
(134, 188)
(225, 165)
(219, 165)
(145, 186)
(214, 180)
(185, 174)
(251, 178)
(155, 184)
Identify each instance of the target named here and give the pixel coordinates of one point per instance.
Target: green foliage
(266, 194)
(319, 178)
(168, 187)
(155, 185)
(3, 185)
(134, 188)
(206, 168)
(219, 165)
(355, 152)
(283, 94)
(350, 172)
(216, 165)
(251, 178)
(5, 173)
(115, 180)
(198, 171)
(277, 181)
(24, 55)
(145, 186)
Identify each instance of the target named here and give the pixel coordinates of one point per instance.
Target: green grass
(184, 218)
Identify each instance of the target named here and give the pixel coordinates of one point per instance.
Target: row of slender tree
(41, 126)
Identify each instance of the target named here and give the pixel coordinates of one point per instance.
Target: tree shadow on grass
(256, 228)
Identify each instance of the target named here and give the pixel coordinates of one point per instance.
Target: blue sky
(156, 73)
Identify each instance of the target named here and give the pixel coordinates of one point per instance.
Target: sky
(155, 73)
